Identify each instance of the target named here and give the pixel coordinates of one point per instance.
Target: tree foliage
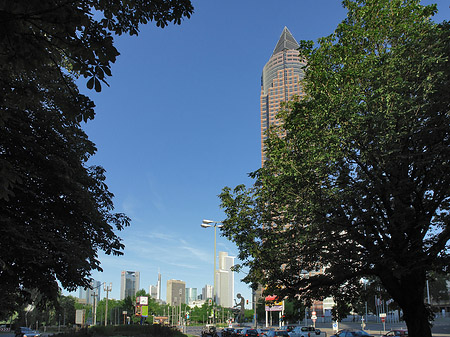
(358, 185)
(56, 211)
(77, 34)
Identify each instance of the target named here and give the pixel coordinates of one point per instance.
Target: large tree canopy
(56, 211)
(358, 185)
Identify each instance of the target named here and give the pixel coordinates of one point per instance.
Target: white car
(304, 331)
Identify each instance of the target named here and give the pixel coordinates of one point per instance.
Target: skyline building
(225, 281)
(280, 81)
(176, 292)
(129, 283)
(191, 295)
(87, 294)
(158, 287)
(155, 291)
(207, 291)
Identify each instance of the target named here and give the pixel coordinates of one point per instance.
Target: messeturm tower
(279, 81)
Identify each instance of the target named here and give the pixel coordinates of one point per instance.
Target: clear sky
(181, 120)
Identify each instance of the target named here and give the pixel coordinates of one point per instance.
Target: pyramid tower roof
(286, 41)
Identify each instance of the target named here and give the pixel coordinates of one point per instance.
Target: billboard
(79, 316)
(273, 303)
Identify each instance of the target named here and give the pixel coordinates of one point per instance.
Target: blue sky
(181, 120)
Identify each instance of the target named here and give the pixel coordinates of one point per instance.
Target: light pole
(107, 289)
(215, 224)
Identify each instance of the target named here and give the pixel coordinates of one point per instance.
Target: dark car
(227, 332)
(237, 333)
(288, 328)
(26, 332)
(246, 332)
(277, 333)
(397, 332)
(351, 333)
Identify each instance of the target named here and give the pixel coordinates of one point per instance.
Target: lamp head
(204, 225)
(207, 221)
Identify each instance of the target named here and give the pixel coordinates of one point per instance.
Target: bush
(124, 330)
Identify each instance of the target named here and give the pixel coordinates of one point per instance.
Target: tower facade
(191, 295)
(176, 292)
(207, 292)
(129, 283)
(87, 294)
(280, 81)
(225, 280)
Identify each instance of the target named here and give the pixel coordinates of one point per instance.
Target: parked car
(209, 330)
(263, 332)
(227, 332)
(397, 332)
(304, 331)
(249, 332)
(237, 332)
(26, 332)
(277, 333)
(288, 328)
(351, 333)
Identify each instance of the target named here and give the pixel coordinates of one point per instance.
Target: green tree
(56, 212)
(358, 185)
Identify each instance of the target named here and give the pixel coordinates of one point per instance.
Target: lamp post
(107, 289)
(215, 224)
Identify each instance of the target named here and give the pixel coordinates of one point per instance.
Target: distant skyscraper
(129, 284)
(225, 280)
(87, 295)
(207, 292)
(153, 291)
(158, 286)
(279, 81)
(191, 295)
(176, 292)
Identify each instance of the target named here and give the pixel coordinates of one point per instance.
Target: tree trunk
(416, 318)
(409, 293)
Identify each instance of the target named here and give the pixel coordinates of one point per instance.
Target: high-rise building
(87, 294)
(155, 291)
(280, 81)
(225, 281)
(158, 287)
(207, 292)
(191, 295)
(129, 284)
(176, 292)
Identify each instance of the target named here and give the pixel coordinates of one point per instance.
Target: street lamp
(215, 224)
(107, 289)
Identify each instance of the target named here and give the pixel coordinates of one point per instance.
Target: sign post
(383, 319)
(314, 317)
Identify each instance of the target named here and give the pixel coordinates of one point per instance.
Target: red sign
(383, 319)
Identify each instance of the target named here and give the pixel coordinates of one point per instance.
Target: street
(441, 328)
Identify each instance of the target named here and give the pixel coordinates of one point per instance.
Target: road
(441, 328)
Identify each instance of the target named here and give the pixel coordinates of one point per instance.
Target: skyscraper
(279, 81)
(191, 295)
(176, 292)
(87, 294)
(207, 292)
(129, 284)
(225, 280)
